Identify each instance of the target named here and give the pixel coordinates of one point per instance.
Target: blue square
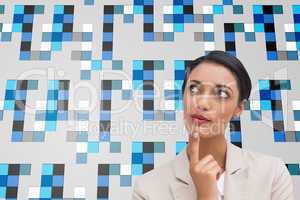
(272, 55)
(3, 169)
(104, 136)
(270, 36)
(3, 180)
(12, 181)
(257, 9)
(137, 147)
(59, 9)
(180, 146)
(259, 27)
(68, 18)
(178, 27)
(17, 136)
(2, 192)
(45, 192)
(47, 169)
(103, 181)
(50, 126)
(292, 55)
(46, 180)
(235, 136)
(81, 158)
(229, 36)
(256, 115)
(275, 94)
(148, 158)
(26, 36)
(19, 9)
(128, 18)
(25, 55)
(277, 115)
(93, 147)
(148, 36)
(125, 181)
(168, 36)
(108, 18)
(177, 9)
(126, 94)
(19, 115)
(188, 18)
(85, 74)
(148, 18)
(106, 55)
(169, 115)
(148, 75)
(28, 18)
(265, 105)
(250, 36)
(265, 94)
(137, 158)
(264, 84)
(137, 9)
(58, 181)
(279, 136)
(148, 115)
(217, 9)
(227, 2)
(137, 169)
(107, 36)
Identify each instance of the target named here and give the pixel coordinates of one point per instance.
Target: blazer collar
(235, 175)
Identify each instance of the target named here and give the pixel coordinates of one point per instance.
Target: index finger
(194, 147)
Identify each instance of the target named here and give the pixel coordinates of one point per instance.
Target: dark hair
(228, 61)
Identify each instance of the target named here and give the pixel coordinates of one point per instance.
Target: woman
(215, 89)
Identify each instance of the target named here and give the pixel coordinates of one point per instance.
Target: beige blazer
(248, 176)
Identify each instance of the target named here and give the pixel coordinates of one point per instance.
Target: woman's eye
(223, 94)
(193, 89)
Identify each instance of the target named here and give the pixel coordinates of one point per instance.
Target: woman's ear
(239, 109)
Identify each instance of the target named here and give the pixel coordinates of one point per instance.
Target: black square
(235, 126)
(11, 192)
(230, 46)
(148, 65)
(58, 169)
(68, 27)
(107, 46)
(276, 104)
(147, 167)
(20, 104)
(102, 192)
(25, 46)
(278, 126)
(267, 9)
(108, 9)
(29, 9)
(148, 105)
(148, 27)
(27, 27)
(14, 169)
(57, 192)
(148, 85)
(18, 125)
(64, 84)
(274, 85)
(106, 85)
(105, 105)
(271, 46)
(269, 27)
(103, 169)
(228, 27)
(22, 84)
(69, 9)
(188, 9)
(104, 126)
(148, 9)
(108, 27)
(148, 147)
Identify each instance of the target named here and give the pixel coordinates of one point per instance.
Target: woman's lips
(199, 121)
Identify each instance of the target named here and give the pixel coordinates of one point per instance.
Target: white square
(255, 105)
(87, 27)
(168, 9)
(128, 9)
(169, 85)
(40, 105)
(209, 46)
(125, 169)
(79, 192)
(297, 125)
(34, 192)
(296, 105)
(47, 28)
(208, 27)
(83, 105)
(126, 85)
(169, 105)
(249, 27)
(207, 10)
(168, 27)
(85, 65)
(1, 105)
(291, 46)
(289, 28)
(39, 125)
(86, 46)
(45, 46)
(7, 28)
(81, 147)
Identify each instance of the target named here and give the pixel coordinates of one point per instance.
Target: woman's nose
(203, 102)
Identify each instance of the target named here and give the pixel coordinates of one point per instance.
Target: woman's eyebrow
(217, 85)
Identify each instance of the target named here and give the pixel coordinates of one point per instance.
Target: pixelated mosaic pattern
(55, 109)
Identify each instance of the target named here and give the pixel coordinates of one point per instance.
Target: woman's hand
(204, 172)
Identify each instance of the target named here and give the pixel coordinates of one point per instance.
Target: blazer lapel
(236, 176)
(183, 188)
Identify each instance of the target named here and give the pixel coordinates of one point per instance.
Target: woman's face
(211, 91)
